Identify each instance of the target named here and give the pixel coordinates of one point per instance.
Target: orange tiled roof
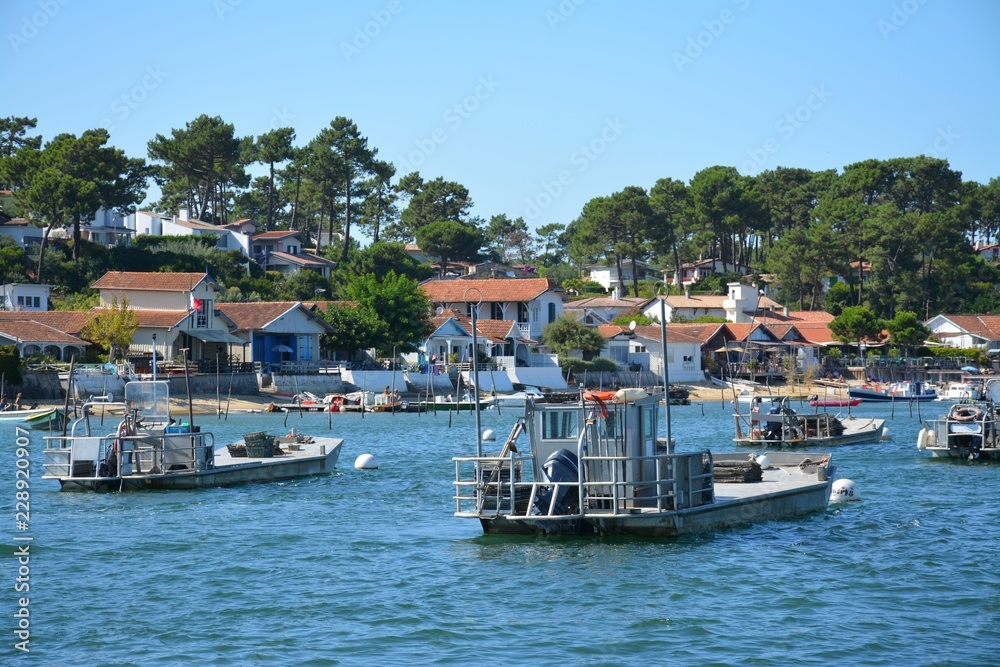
(983, 325)
(493, 289)
(148, 280)
(30, 331)
(257, 315)
(68, 321)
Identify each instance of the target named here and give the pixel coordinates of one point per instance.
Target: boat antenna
(474, 309)
(663, 364)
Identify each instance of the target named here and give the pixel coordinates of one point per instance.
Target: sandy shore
(702, 392)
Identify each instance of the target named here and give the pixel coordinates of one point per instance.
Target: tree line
(896, 235)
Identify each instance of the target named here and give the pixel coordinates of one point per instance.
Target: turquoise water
(370, 567)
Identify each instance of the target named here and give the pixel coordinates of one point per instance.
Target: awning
(215, 336)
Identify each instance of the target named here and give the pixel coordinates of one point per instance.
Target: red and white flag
(196, 304)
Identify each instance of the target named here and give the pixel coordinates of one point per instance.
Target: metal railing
(678, 481)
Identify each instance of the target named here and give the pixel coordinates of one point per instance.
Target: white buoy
(763, 462)
(886, 435)
(488, 435)
(366, 462)
(844, 490)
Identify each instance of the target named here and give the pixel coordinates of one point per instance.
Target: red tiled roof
(493, 289)
(327, 305)
(147, 280)
(68, 321)
(257, 315)
(982, 325)
(30, 331)
(676, 333)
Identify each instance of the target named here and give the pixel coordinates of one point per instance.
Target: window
(522, 312)
(552, 312)
(201, 320)
(20, 301)
(37, 301)
(223, 242)
(496, 310)
(292, 250)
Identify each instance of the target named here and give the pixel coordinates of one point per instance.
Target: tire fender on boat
(922, 439)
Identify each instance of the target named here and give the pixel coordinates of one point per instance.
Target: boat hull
(725, 512)
(228, 471)
(871, 396)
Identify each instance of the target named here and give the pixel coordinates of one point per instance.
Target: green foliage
(379, 259)
(906, 330)
(709, 319)
(13, 261)
(447, 240)
(112, 328)
(82, 300)
(640, 319)
(596, 365)
(399, 303)
(857, 324)
(559, 273)
(354, 329)
(566, 335)
(837, 298)
(10, 364)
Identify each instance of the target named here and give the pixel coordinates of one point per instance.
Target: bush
(603, 364)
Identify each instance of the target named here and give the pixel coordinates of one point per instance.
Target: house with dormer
(175, 311)
(530, 302)
(739, 305)
(282, 251)
(967, 331)
(233, 236)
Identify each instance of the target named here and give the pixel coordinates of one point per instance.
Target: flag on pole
(196, 304)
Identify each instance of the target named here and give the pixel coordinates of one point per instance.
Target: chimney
(687, 292)
(183, 214)
(786, 311)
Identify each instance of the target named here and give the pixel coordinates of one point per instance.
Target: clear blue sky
(536, 107)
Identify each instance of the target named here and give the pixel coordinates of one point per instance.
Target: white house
(531, 302)
(282, 251)
(967, 331)
(644, 347)
(599, 310)
(739, 306)
(25, 296)
(607, 276)
(108, 228)
(234, 236)
(692, 272)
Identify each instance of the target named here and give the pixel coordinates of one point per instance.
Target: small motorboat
(963, 432)
(780, 426)
(834, 402)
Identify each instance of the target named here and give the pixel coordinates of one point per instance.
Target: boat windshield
(150, 398)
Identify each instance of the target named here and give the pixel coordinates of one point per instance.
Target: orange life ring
(599, 395)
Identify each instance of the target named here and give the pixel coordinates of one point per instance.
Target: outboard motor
(561, 466)
(773, 430)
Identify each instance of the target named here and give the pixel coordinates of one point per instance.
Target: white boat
(516, 399)
(23, 415)
(147, 449)
(962, 392)
(964, 432)
(590, 467)
(773, 423)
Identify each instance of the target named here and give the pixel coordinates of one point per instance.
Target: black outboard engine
(773, 430)
(561, 466)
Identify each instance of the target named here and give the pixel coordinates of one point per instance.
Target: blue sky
(536, 107)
